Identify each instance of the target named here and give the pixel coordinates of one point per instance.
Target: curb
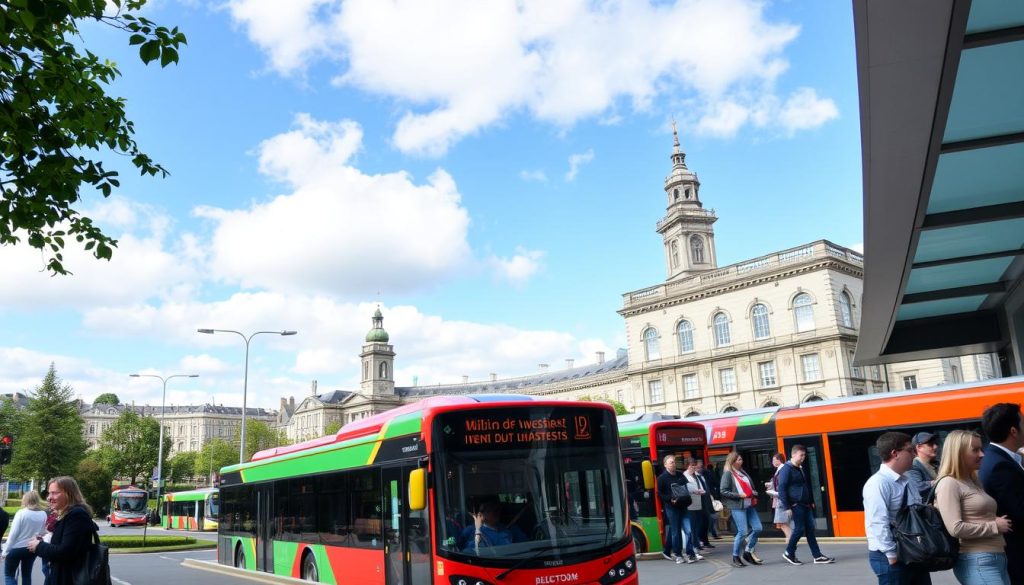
(257, 576)
(653, 556)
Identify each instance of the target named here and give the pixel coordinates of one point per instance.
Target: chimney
(291, 403)
(543, 367)
(568, 363)
(494, 377)
(284, 403)
(465, 379)
(312, 389)
(600, 357)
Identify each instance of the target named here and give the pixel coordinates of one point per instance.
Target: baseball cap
(923, 438)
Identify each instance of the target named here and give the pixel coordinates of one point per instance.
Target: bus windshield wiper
(538, 551)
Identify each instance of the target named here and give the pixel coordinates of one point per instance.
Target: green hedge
(136, 541)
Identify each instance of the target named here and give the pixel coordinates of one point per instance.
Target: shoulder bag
(921, 538)
(681, 495)
(94, 569)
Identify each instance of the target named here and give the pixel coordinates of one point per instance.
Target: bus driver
(488, 529)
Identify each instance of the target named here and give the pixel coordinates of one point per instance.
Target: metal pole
(160, 450)
(245, 395)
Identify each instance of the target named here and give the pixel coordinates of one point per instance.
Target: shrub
(136, 541)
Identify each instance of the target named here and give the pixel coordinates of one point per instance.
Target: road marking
(119, 581)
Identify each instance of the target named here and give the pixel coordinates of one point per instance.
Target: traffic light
(6, 449)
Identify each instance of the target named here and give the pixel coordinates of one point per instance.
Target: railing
(817, 250)
(695, 211)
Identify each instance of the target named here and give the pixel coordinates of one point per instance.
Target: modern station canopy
(942, 130)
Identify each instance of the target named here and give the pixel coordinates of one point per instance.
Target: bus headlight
(619, 572)
(464, 580)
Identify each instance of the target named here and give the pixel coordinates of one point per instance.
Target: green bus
(645, 440)
(195, 510)
(450, 490)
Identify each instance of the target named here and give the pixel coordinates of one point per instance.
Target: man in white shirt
(883, 498)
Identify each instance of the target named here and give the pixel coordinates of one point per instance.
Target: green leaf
(168, 56)
(149, 51)
(136, 39)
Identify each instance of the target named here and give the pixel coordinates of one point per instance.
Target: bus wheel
(239, 557)
(309, 570)
(638, 542)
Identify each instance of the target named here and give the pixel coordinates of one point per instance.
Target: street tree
(51, 442)
(107, 398)
(215, 454)
(129, 446)
(10, 417)
(259, 436)
(333, 427)
(619, 407)
(56, 118)
(94, 479)
(181, 467)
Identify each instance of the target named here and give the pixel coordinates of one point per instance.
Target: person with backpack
(885, 493)
(671, 490)
(72, 533)
(970, 514)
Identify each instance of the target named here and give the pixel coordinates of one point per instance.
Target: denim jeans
(897, 574)
(674, 538)
(24, 558)
(803, 523)
(688, 523)
(747, 523)
(981, 569)
(698, 527)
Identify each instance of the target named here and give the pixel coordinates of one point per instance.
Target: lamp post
(245, 382)
(160, 447)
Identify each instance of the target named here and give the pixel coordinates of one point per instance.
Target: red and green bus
(390, 499)
(645, 440)
(128, 507)
(191, 510)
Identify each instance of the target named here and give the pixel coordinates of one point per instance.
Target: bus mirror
(418, 489)
(648, 475)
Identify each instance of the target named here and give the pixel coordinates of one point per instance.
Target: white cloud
(473, 63)
(576, 161)
(804, 110)
(519, 268)
(339, 230)
(533, 176)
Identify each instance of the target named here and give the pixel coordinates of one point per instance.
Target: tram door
(264, 526)
(406, 532)
(814, 466)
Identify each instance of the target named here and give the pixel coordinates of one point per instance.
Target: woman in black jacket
(72, 533)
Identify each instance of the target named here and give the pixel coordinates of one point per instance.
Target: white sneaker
(679, 560)
(698, 556)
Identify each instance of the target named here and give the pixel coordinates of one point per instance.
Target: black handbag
(681, 495)
(921, 537)
(95, 567)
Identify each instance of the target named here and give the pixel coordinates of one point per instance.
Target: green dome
(377, 335)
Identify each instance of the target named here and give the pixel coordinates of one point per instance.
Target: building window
(767, 371)
(697, 249)
(759, 314)
(814, 398)
(876, 373)
(803, 311)
(984, 365)
(722, 337)
(690, 389)
(654, 390)
(366, 370)
(812, 367)
(92, 429)
(955, 371)
(854, 370)
(729, 409)
(845, 310)
(620, 395)
(651, 344)
(674, 247)
(770, 404)
(692, 414)
(685, 333)
(384, 371)
(910, 382)
(727, 378)
(675, 194)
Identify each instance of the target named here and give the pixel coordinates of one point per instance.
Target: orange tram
(840, 439)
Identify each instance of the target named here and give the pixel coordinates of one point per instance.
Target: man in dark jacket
(922, 473)
(5, 520)
(1002, 476)
(669, 503)
(795, 497)
(710, 479)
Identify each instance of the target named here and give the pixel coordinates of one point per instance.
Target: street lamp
(245, 383)
(160, 448)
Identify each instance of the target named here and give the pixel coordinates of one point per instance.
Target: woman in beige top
(969, 513)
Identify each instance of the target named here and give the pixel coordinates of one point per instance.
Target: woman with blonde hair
(969, 513)
(740, 496)
(72, 533)
(29, 522)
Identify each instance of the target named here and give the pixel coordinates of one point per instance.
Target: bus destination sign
(520, 428)
(679, 437)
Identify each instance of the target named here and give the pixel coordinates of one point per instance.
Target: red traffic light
(6, 440)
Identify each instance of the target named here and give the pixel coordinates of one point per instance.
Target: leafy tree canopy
(215, 454)
(333, 427)
(51, 442)
(56, 118)
(94, 479)
(107, 398)
(619, 407)
(181, 467)
(259, 436)
(129, 446)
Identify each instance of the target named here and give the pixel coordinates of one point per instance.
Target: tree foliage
(215, 454)
(333, 427)
(56, 118)
(10, 418)
(181, 467)
(94, 479)
(619, 407)
(51, 442)
(129, 446)
(107, 398)
(259, 436)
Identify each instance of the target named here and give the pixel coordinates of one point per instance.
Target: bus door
(406, 532)
(200, 513)
(264, 527)
(814, 465)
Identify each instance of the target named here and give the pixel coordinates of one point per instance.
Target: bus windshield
(131, 502)
(213, 506)
(528, 483)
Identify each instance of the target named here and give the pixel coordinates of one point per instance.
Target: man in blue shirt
(487, 529)
(883, 498)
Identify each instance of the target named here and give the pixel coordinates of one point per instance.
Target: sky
(488, 173)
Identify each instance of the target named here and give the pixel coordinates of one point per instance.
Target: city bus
(129, 506)
(191, 510)
(391, 499)
(840, 439)
(645, 439)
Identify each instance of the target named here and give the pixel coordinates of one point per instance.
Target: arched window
(770, 404)
(685, 333)
(674, 247)
(383, 371)
(762, 329)
(845, 310)
(813, 398)
(722, 337)
(696, 250)
(803, 312)
(692, 413)
(729, 409)
(675, 194)
(651, 344)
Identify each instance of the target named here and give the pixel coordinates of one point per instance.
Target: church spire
(687, 226)
(678, 156)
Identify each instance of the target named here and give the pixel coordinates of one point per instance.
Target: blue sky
(490, 173)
